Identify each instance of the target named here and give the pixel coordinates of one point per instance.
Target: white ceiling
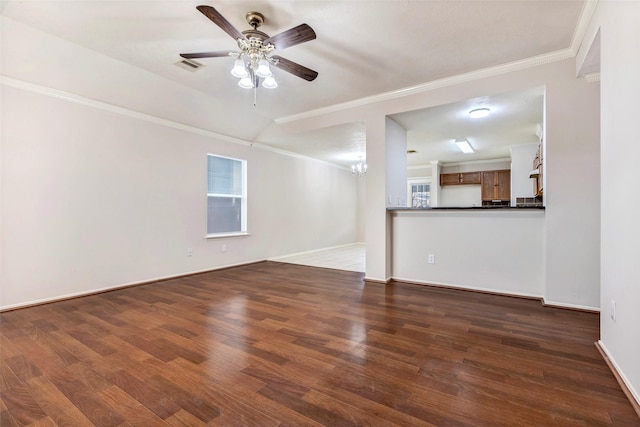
(363, 48)
(513, 119)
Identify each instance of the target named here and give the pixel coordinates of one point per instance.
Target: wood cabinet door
(460, 178)
(503, 189)
(449, 179)
(496, 185)
(470, 178)
(488, 185)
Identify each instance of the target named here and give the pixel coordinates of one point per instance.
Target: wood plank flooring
(273, 344)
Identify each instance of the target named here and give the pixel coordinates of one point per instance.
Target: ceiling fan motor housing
(254, 45)
(255, 19)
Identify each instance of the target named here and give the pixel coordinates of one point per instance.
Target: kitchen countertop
(458, 208)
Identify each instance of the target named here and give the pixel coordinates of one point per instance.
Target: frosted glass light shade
(479, 113)
(270, 83)
(239, 69)
(263, 68)
(246, 83)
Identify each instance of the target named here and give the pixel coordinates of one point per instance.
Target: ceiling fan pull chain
(255, 89)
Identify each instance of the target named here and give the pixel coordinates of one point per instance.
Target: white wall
(620, 230)
(461, 195)
(396, 156)
(94, 197)
(572, 219)
(572, 196)
(419, 171)
(522, 157)
(362, 213)
(498, 251)
(467, 195)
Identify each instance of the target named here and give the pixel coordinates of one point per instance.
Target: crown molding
(296, 155)
(583, 24)
(476, 162)
(465, 163)
(105, 106)
(592, 78)
(497, 70)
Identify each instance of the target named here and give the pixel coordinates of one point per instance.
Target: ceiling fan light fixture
(239, 70)
(479, 113)
(270, 83)
(252, 64)
(263, 69)
(246, 83)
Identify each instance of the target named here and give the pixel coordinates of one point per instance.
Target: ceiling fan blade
(296, 35)
(294, 68)
(208, 54)
(221, 22)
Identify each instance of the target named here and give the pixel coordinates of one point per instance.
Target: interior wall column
(434, 199)
(378, 250)
(386, 187)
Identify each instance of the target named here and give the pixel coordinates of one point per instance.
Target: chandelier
(359, 168)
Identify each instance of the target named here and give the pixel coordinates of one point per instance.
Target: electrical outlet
(431, 259)
(223, 248)
(612, 310)
(189, 251)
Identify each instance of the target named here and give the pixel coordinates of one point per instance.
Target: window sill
(227, 235)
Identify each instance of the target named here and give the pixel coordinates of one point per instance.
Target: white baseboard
(115, 287)
(548, 303)
(631, 393)
(376, 280)
(470, 288)
(279, 257)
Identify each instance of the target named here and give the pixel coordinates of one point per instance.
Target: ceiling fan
(256, 48)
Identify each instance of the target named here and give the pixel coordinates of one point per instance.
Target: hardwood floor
(282, 344)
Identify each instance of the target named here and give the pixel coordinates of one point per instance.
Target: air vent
(189, 64)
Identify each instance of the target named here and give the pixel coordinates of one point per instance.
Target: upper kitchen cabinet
(496, 186)
(460, 178)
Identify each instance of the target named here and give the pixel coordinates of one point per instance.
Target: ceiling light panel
(464, 146)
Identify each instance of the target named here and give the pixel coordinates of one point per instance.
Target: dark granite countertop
(469, 208)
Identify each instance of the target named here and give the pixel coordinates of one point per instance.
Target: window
(226, 196)
(419, 193)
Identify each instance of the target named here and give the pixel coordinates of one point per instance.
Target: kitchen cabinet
(449, 179)
(496, 186)
(460, 178)
(470, 178)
